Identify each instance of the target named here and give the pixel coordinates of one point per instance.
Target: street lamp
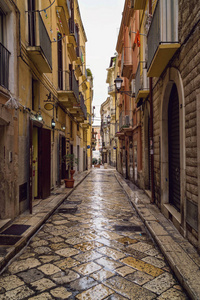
(118, 84)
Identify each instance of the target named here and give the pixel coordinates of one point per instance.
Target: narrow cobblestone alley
(94, 247)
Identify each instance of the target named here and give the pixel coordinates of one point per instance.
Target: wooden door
(174, 149)
(44, 161)
(31, 166)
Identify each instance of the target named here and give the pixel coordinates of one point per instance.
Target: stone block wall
(187, 62)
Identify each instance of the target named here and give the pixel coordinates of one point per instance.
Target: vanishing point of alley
(95, 246)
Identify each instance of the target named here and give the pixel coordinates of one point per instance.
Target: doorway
(174, 149)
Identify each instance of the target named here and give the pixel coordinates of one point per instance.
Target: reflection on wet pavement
(94, 247)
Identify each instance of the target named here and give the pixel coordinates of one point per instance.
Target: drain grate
(16, 229)
(127, 228)
(67, 210)
(9, 240)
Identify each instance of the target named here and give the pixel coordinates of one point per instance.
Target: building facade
(161, 70)
(45, 99)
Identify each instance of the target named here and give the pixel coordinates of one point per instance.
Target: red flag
(137, 38)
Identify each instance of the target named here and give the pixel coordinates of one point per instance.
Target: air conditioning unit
(127, 121)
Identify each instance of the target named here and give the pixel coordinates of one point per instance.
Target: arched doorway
(174, 148)
(172, 123)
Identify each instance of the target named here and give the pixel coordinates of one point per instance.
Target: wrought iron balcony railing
(141, 80)
(72, 29)
(83, 106)
(163, 30)
(69, 82)
(38, 35)
(4, 66)
(125, 120)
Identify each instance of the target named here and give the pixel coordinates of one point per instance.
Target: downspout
(151, 127)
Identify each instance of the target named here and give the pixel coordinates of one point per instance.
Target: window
(31, 22)
(71, 129)
(2, 25)
(60, 64)
(4, 53)
(35, 94)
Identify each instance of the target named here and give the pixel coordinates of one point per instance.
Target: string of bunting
(51, 30)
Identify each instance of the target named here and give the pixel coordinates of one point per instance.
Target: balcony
(62, 20)
(66, 5)
(87, 123)
(162, 37)
(39, 49)
(79, 54)
(126, 62)
(4, 66)
(141, 82)
(138, 4)
(69, 95)
(82, 110)
(126, 122)
(72, 51)
(73, 33)
(111, 89)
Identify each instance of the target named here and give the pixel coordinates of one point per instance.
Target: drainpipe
(151, 128)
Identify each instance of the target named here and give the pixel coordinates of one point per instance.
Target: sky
(101, 20)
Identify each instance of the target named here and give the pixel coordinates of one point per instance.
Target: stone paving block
(19, 266)
(87, 268)
(87, 256)
(48, 258)
(9, 283)
(108, 263)
(98, 292)
(17, 294)
(159, 263)
(161, 283)
(65, 277)
(88, 246)
(60, 293)
(31, 275)
(173, 294)
(139, 277)
(123, 271)
(43, 250)
(49, 269)
(142, 266)
(141, 246)
(82, 284)
(43, 284)
(43, 296)
(116, 297)
(114, 254)
(129, 289)
(67, 252)
(66, 263)
(102, 274)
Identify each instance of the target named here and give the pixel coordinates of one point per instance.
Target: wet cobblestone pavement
(94, 247)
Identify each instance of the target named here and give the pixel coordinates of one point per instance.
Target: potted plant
(70, 161)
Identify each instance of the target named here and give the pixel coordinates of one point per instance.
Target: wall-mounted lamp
(63, 127)
(118, 84)
(53, 124)
(39, 116)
